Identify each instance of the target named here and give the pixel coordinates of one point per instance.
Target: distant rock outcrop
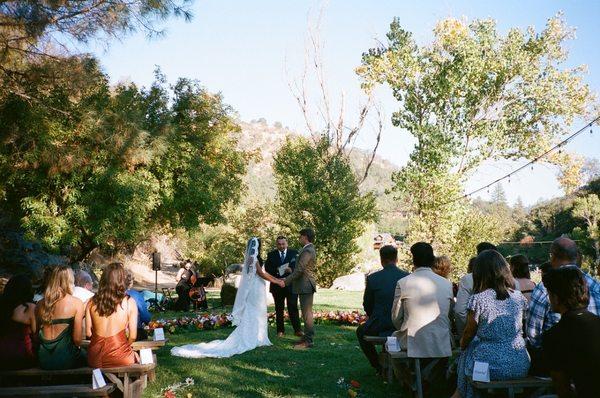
(352, 283)
(20, 255)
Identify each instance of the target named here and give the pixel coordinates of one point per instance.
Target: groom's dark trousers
(283, 295)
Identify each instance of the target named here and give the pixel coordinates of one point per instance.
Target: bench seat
(513, 387)
(130, 380)
(74, 390)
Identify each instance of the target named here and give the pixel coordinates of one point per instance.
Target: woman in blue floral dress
(494, 330)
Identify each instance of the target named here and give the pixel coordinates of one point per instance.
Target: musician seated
(197, 292)
(144, 315)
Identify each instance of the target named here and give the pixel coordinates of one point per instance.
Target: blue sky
(242, 49)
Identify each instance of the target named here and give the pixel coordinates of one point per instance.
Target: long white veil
(248, 275)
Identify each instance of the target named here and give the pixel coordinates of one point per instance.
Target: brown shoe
(299, 333)
(303, 346)
(280, 334)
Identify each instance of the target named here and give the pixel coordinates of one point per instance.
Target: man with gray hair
(83, 286)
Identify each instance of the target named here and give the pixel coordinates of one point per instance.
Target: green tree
(103, 167)
(588, 209)
(317, 188)
(472, 95)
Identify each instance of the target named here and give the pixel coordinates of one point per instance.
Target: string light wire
(530, 163)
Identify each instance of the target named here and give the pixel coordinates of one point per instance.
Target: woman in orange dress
(111, 321)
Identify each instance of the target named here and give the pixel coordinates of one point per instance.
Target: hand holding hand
(281, 283)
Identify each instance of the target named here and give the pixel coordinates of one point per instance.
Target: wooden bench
(139, 345)
(415, 385)
(512, 387)
(384, 358)
(130, 380)
(75, 390)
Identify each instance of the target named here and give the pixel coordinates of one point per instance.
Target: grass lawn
(276, 371)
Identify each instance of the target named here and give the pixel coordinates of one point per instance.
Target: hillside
(265, 139)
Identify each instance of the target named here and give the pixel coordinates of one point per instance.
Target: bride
(249, 313)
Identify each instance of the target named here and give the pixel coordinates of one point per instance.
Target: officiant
(280, 263)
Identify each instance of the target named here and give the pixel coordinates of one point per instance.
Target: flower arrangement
(352, 387)
(191, 323)
(342, 318)
(169, 392)
(218, 321)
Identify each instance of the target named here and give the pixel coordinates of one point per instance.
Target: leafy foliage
(317, 188)
(100, 166)
(470, 96)
(588, 209)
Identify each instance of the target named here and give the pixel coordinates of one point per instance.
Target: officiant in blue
(279, 263)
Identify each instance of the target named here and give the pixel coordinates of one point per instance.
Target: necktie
(282, 257)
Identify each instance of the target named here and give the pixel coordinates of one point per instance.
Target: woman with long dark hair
(60, 320)
(519, 266)
(494, 330)
(17, 317)
(111, 321)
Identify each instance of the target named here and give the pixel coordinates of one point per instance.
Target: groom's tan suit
(303, 284)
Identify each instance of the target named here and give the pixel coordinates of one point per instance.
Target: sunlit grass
(276, 371)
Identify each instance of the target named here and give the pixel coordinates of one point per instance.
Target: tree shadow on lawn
(276, 371)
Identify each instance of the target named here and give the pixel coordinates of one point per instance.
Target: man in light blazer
(422, 305)
(303, 284)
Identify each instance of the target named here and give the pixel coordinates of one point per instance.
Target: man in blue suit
(378, 300)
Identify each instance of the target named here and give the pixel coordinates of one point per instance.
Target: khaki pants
(306, 305)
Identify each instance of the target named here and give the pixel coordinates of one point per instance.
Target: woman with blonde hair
(60, 316)
(109, 315)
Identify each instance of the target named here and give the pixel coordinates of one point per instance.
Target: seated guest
(422, 304)
(109, 314)
(465, 290)
(572, 346)
(519, 266)
(494, 329)
(377, 301)
(143, 313)
(442, 266)
(83, 286)
(17, 317)
(541, 317)
(59, 319)
(42, 282)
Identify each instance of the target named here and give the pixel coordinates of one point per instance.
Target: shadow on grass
(276, 371)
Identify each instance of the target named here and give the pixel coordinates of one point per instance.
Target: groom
(277, 258)
(303, 284)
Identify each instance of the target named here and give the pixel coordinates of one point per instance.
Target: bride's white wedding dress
(249, 316)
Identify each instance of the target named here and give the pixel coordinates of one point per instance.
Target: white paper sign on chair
(159, 334)
(97, 379)
(392, 344)
(146, 356)
(481, 372)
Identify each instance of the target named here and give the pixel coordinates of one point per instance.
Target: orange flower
(169, 394)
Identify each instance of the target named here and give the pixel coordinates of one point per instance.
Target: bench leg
(418, 377)
(511, 392)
